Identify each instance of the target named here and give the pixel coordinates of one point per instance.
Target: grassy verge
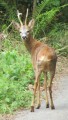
(15, 75)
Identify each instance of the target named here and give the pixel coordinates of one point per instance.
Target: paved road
(61, 106)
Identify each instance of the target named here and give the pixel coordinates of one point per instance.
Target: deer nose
(24, 37)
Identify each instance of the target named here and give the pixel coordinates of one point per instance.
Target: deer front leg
(33, 99)
(35, 88)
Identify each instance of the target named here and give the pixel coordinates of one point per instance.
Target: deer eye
(28, 31)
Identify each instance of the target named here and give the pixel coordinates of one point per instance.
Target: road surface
(61, 106)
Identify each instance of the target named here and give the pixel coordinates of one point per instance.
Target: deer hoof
(52, 107)
(47, 105)
(32, 108)
(38, 106)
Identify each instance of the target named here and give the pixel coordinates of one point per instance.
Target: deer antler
(26, 16)
(18, 14)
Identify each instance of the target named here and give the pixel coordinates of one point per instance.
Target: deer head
(25, 28)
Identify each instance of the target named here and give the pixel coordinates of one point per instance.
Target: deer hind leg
(38, 96)
(45, 87)
(50, 89)
(35, 88)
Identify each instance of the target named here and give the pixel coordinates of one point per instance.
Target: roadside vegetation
(15, 76)
(16, 72)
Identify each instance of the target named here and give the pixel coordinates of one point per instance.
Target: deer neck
(30, 43)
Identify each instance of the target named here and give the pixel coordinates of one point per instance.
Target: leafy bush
(58, 38)
(46, 14)
(7, 13)
(43, 20)
(15, 75)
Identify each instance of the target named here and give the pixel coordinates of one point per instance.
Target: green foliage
(15, 75)
(45, 5)
(58, 38)
(43, 20)
(45, 14)
(39, 8)
(8, 12)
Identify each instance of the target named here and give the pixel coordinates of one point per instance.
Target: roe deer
(43, 59)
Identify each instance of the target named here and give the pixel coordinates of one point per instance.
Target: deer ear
(31, 24)
(16, 25)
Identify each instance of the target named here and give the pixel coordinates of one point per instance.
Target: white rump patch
(44, 59)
